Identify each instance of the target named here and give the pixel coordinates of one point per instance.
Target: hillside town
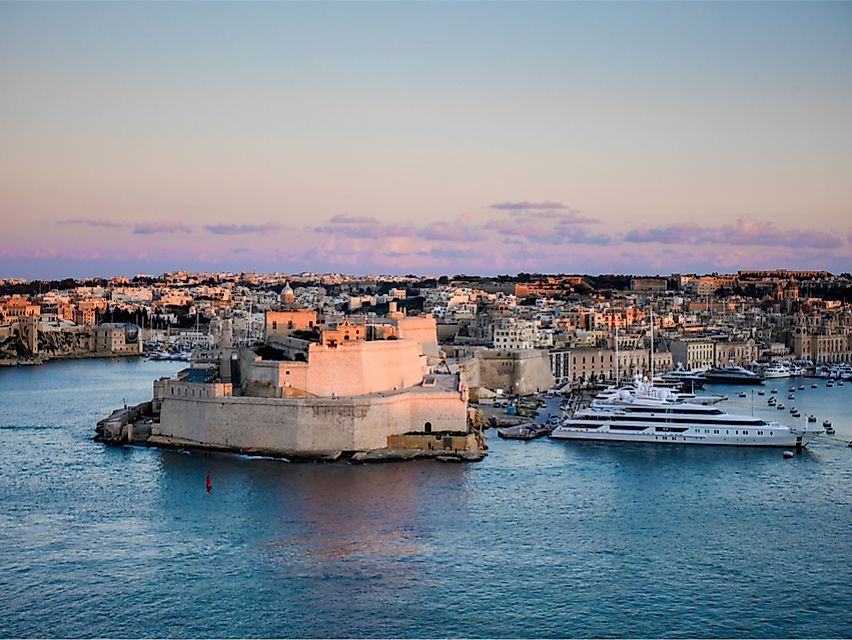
(537, 330)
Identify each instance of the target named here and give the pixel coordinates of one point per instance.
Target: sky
(427, 138)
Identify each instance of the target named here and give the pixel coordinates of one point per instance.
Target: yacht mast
(616, 356)
(652, 346)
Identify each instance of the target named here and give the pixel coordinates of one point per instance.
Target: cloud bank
(242, 229)
(746, 231)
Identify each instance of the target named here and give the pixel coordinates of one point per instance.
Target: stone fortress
(313, 389)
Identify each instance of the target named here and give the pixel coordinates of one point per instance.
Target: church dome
(287, 293)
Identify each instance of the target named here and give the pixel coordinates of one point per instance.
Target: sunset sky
(424, 138)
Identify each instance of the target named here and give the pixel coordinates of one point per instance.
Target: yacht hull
(732, 379)
(786, 440)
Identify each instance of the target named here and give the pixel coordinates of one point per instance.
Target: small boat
(812, 418)
(774, 391)
(829, 384)
(801, 387)
(793, 409)
(813, 386)
(788, 454)
(742, 395)
(792, 389)
(771, 401)
(830, 430)
(795, 414)
(780, 407)
(791, 397)
(761, 393)
(525, 431)
(840, 383)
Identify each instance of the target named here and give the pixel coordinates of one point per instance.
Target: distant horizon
(449, 275)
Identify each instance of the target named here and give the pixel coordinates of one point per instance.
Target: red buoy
(209, 482)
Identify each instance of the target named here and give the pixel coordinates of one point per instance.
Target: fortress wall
(361, 368)
(350, 369)
(421, 329)
(309, 424)
(263, 381)
(520, 372)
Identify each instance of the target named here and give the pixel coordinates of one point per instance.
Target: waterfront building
(693, 353)
(739, 352)
(117, 339)
(584, 365)
(823, 338)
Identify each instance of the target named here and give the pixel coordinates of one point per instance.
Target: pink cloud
(373, 230)
(522, 229)
(104, 224)
(458, 231)
(242, 229)
(747, 231)
(151, 228)
(343, 218)
(571, 217)
(527, 205)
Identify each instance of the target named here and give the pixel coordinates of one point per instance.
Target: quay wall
(305, 425)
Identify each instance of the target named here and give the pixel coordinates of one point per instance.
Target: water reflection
(324, 511)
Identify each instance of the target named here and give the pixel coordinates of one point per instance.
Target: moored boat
(527, 431)
(659, 422)
(733, 375)
(776, 370)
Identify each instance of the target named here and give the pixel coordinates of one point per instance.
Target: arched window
(427, 427)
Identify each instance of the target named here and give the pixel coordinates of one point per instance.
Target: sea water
(542, 538)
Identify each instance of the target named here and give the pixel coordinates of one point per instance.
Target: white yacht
(777, 370)
(646, 391)
(687, 378)
(660, 421)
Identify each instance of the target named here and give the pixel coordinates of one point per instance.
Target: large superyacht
(631, 417)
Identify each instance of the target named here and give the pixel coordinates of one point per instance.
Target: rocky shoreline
(36, 361)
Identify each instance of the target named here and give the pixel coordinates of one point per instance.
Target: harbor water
(541, 539)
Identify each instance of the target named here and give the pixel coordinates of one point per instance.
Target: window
(427, 427)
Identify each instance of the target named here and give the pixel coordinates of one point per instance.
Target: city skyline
(425, 138)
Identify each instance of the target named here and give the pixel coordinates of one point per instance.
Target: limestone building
(311, 388)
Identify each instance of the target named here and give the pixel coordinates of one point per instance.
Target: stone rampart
(305, 425)
(518, 372)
